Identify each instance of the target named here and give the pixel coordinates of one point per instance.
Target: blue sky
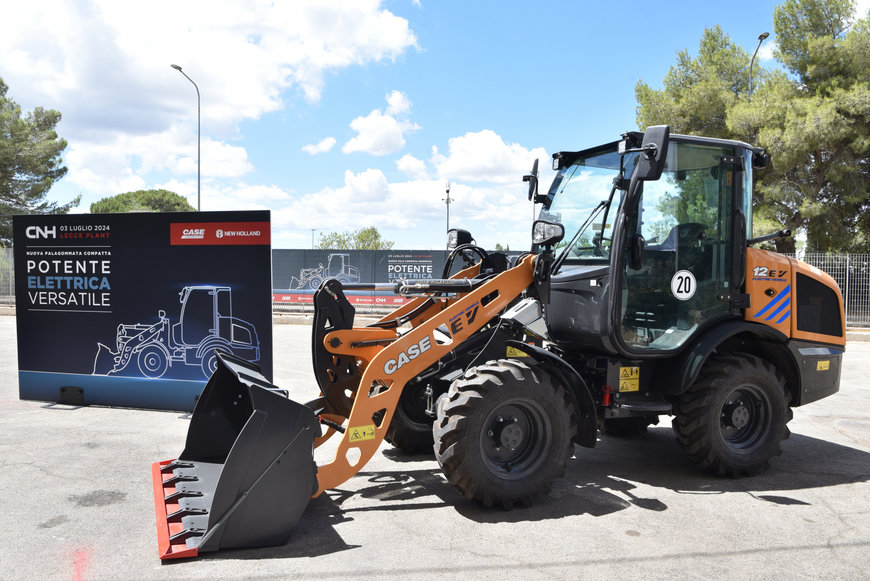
(337, 115)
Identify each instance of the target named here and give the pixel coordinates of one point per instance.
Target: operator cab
(648, 266)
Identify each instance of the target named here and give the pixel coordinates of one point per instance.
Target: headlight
(457, 237)
(547, 233)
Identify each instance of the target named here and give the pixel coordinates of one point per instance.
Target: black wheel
(733, 418)
(411, 428)
(504, 432)
(153, 362)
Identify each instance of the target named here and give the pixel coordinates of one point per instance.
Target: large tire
(504, 432)
(732, 420)
(411, 428)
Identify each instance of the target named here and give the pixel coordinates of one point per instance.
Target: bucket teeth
(175, 478)
(175, 464)
(178, 494)
(186, 534)
(189, 511)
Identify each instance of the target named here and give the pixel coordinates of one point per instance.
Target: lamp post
(448, 199)
(198, 125)
(761, 38)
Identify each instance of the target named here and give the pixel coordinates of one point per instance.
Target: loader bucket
(247, 470)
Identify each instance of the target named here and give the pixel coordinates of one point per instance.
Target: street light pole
(448, 199)
(761, 38)
(198, 126)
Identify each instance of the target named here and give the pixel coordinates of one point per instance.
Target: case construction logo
(220, 233)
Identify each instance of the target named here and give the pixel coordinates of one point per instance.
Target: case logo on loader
(411, 353)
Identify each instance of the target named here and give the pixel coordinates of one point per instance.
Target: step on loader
(657, 305)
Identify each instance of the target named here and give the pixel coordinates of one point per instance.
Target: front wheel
(504, 432)
(733, 418)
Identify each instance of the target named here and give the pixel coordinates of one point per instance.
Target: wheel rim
(744, 417)
(515, 438)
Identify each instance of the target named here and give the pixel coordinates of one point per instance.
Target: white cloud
(398, 104)
(412, 167)
(485, 157)
(382, 133)
(765, 53)
(105, 65)
(487, 195)
(321, 146)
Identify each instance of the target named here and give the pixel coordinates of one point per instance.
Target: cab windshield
(584, 198)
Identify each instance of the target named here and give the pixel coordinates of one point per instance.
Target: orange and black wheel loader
(657, 305)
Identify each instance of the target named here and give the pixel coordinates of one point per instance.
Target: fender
(682, 371)
(588, 426)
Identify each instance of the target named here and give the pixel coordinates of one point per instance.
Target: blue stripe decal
(783, 293)
(785, 304)
(784, 317)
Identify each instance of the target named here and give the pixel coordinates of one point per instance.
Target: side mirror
(760, 159)
(635, 256)
(654, 153)
(457, 237)
(532, 179)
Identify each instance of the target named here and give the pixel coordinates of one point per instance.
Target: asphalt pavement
(76, 502)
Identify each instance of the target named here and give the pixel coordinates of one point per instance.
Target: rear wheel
(733, 418)
(504, 432)
(411, 427)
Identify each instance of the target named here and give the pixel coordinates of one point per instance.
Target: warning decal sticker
(362, 433)
(629, 379)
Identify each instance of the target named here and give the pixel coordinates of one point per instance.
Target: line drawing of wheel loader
(337, 266)
(673, 315)
(205, 325)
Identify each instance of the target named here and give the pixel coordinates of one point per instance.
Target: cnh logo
(41, 232)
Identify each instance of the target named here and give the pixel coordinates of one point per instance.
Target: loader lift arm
(362, 371)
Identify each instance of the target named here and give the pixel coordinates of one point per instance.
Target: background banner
(128, 309)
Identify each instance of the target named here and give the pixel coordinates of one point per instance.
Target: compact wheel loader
(657, 304)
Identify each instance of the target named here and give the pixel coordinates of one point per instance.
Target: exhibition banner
(129, 309)
(298, 273)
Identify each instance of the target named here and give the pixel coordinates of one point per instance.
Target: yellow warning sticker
(514, 352)
(823, 365)
(629, 379)
(362, 433)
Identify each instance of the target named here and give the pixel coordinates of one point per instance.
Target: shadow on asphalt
(598, 482)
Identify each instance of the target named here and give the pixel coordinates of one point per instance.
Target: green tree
(812, 118)
(698, 91)
(362, 239)
(815, 124)
(30, 162)
(142, 201)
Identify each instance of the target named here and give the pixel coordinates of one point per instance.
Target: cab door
(685, 220)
